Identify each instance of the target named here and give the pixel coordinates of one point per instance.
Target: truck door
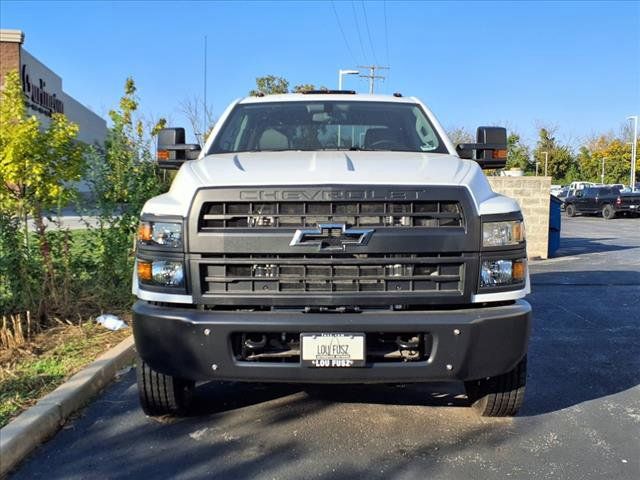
(587, 202)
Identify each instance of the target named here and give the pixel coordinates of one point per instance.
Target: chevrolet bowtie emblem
(331, 236)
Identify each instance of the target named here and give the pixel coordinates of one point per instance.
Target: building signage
(37, 96)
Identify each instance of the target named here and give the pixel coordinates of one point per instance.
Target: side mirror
(490, 149)
(172, 151)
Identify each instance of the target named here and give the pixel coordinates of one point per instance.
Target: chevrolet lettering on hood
(327, 195)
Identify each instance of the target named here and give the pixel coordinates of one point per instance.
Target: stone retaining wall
(532, 193)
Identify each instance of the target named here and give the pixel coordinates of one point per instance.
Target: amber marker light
(162, 155)
(144, 271)
(519, 270)
(500, 154)
(518, 231)
(144, 232)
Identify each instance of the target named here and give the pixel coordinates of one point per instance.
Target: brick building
(43, 89)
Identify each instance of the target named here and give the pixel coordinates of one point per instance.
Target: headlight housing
(502, 273)
(161, 273)
(502, 234)
(162, 234)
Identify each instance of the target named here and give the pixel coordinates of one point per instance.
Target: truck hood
(327, 168)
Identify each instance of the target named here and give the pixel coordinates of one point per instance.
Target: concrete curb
(32, 427)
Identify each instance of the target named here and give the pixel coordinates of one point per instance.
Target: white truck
(331, 237)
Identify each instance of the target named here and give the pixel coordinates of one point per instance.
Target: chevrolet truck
(331, 237)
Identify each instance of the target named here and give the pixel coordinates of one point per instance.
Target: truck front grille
(305, 274)
(434, 214)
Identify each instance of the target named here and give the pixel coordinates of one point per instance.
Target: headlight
(498, 273)
(160, 233)
(162, 273)
(500, 234)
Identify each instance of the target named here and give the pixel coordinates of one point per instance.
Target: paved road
(581, 418)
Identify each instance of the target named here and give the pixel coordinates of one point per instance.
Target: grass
(35, 369)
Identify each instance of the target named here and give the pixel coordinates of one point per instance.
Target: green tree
(617, 159)
(124, 177)
(460, 135)
(305, 87)
(561, 160)
(270, 85)
(38, 168)
(517, 153)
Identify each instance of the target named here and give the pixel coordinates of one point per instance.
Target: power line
(344, 37)
(366, 22)
(372, 74)
(355, 18)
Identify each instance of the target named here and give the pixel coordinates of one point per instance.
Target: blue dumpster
(555, 221)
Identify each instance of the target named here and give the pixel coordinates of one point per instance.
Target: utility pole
(602, 174)
(634, 153)
(372, 74)
(546, 162)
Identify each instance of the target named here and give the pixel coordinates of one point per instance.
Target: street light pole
(342, 73)
(634, 153)
(546, 162)
(602, 174)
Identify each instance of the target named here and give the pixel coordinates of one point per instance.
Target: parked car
(605, 200)
(291, 252)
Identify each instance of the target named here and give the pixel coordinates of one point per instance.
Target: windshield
(330, 125)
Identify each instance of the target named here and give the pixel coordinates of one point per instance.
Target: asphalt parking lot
(581, 418)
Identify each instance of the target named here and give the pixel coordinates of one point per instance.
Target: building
(43, 89)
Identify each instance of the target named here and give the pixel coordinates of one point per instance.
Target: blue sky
(574, 65)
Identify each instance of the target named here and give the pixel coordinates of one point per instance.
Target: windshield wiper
(341, 149)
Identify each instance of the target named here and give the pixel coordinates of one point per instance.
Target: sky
(571, 65)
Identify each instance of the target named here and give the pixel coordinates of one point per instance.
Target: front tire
(608, 212)
(162, 394)
(571, 210)
(499, 396)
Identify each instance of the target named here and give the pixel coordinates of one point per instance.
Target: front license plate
(332, 350)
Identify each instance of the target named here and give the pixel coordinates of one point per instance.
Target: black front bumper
(468, 343)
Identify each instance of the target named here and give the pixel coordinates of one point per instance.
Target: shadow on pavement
(580, 246)
(218, 397)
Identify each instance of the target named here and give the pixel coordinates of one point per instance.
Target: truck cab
(331, 237)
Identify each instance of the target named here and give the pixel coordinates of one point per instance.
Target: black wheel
(571, 210)
(499, 396)
(162, 394)
(608, 212)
